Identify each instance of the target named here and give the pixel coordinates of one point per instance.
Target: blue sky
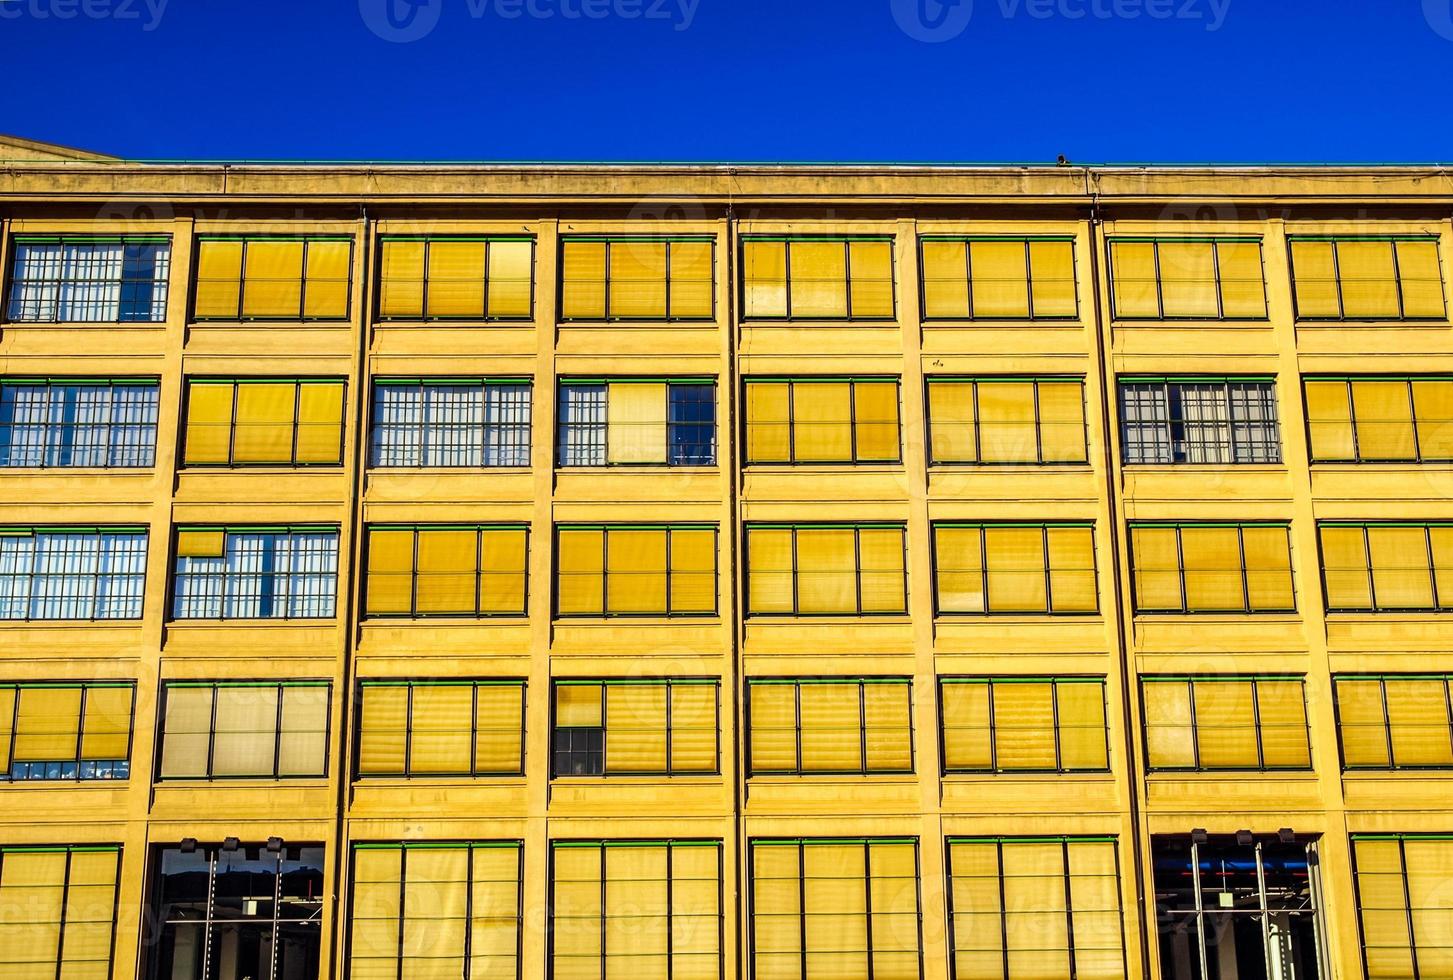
(741, 80)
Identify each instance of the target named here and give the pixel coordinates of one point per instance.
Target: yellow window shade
(887, 715)
(1052, 275)
(1155, 564)
(881, 579)
(502, 571)
(401, 280)
(1383, 903)
(831, 728)
(826, 570)
(47, 724)
(201, 544)
(1188, 279)
(1360, 723)
(692, 280)
(1024, 733)
(1368, 278)
(1225, 724)
(769, 570)
(871, 270)
(209, 423)
(967, 742)
(244, 731)
(1015, 561)
(1384, 414)
(1345, 568)
(636, 422)
(1401, 570)
(326, 295)
(1421, 279)
(106, 727)
(263, 432)
(583, 280)
(1329, 420)
(1268, 568)
(636, 571)
(273, 279)
(383, 730)
(185, 732)
(499, 734)
(693, 570)
(769, 422)
(219, 279)
(390, 572)
(764, 277)
(951, 420)
(511, 278)
(875, 420)
(441, 737)
(1080, 709)
(32, 890)
(320, 423)
(945, 280)
(1213, 571)
(1169, 736)
(693, 728)
(773, 727)
(1243, 288)
(819, 279)
(635, 728)
(303, 742)
(1062, 422)
(638, 279)
(1072, 569)
(456, 279)
(1007, 432)
(580, 580)
(959, 569)
(1417, 714)
(1315, 272)
(1442, 540)
(1282, 717)
(822, 421)
(1001, 279)
(1433, 404)
(1133, 272)
(446, 564)
(578, 706)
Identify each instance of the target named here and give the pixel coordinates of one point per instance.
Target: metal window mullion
(984, 566)
(1245, 572)
(667, 248)
(1413, 411)
(1371, 578)
(1432, 566)
(1195, 743)
(303, 281)
(479, 571)
(797, 709)
(1448, 706)
(468, 905)
(1059, 765)
(409, 732)
(1048, 571)
(669, 768)
(1386, 721)
(1159, 284)
(993, 730)
(868, 903)
(1070, 911)
(978, 434)
(607, 290)
(403, 907)
(1397, 280)
(862, 729)
(1337, 280)
(484, 315)
(848, 279)
(1408, 905)
(1256, 723)
(212, 735)
(604, 911)
(1216, 272)
(60, 951)
(1003, 909)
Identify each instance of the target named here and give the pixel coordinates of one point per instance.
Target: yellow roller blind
(401, 280)
(273, 279)
(967, 741)
(875, 420)
(769, 570)
(835, 929)
(1036, 930)
(456, 273)
(499, 731)
(390, 572)
(1420, 277)
(1382, 898)
(959, 569)
(1329, 420)
(1314, 272)
(263, 432)
(1429, 869)
(32, 897)
(441, 735)
(244, 731)
(186, 732)
(893, 911)
(888, 727)
(773, 714)
(693, 728)
(511, 279)
(326, 294)
(1072, 569)
(636, 912)
(1433, 403)
(692, 280)
(638, 279)
(769, 422)
(1417, 716)
(578, 705)
(106, 727)
(1024, 733)
(303, 741)
(1080, 709)
(502, 571)
(819, 275)
(383, 730)
(871, 271)
(320, 423)
(90, 911)
(1384, 414)
(1268, 568)
(1401, 569)
(1243, 286)
(1212, 561)
(776, 912)
(1169, 735)
(1052, 279)
(209, 423)
(635, 728)
(582, 284)
(1001, 279)
(1155, 567)
(636, 571)
(881, 575)
(579, 578)
(1345, 569)
(219, 279)
(1133, 276)
(1016, 572)
(822, 419)
(1368, 277)
(977, 898)
(945, 280)
(826, 570)
(693, 570)
(1188, 279)
(1007, 431)
(1361, 723)
(951, 422)
(636, 422)
(764, 279)
(1225, 724)
(48, 724)
(831, 728)
(446, 564)
(1282, 720)
(1062, 422)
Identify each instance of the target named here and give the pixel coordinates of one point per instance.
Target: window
(1405, 904)
(826, 569)
(835, 908)
(1225, 723)
(411, 728)
(455, 422)
(1023, 724)
(1367, 278)
(647, 909)
(1212, 568)
(58, 911)
(272, 278)
(84, 279)
(256, 573)
(635, 727)
(436, 909)
(826, 725)
(1395, 721)
(1187, 279)
(1028, 907)
(817, 278)
(1015, 568)
(264, 421)
(66, 422)
(637, 278)
(448, 278)
(1199, 420)
(637, 422)
(998, 278)
(1007, 420)
(822, 420)
(244, 730)
(1386, 567)
(236, 911)
(447, 570)
(66, 731)
(1380, 418)
(635, 570)
(67, 573)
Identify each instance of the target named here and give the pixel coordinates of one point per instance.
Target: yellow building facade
(703, 572)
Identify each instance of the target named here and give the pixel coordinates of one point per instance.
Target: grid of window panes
(54, 731)
(1211, 567)
(1387, 566)
(826, 569)
(244, 730)
(1405, 905)
(621, 727)
(69, 573)
(454, 422)
(58, 911)
(1023, 724)
(1367, 278)
(454, 727)
(1201, 420)
(636, 421)
(1206, 723)
(62, 422)
(1380, 418)
(1395, 721)
(256, 573)
(89, 280)
(830, 725)
(1187, 279)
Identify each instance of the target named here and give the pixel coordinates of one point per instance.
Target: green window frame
(677, 292)
(1370, 566)
(1379, 418)
(590, 736)
(591, 582)
(206, 279)
(1015, 734)
(1401, 883)
(1178, 584)
(37, 291)
(313, 431)
(1001, 573)
(187, 751)
(1046, 291)
(1198, 733)
(441, 298)
(58, 909)
(1334, 278)
(870, 298)
(874, 714)
(879, 571)
(34, 730)
(406, 730)
(957, 427)
(1140, 269)
(856, 435)
(489, 581)
(1394, 721)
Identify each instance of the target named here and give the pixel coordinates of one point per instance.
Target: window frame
(605, 529)
(610, 240)
(7, 773)
(1439, 604)
(792, 381)
(796, 611)
(1387, 725)
(111, 426)
(968, 239)
(246, 239)
(990, 681)
(1167, 426)
(605, 683)
(414, 614)
(98, 532)
(410, 684)
(234, 464)
(1190, 681)
(116, 881)
(429, 240)
(797, 683)
(423, 383)
(166, 687)
(1045, 527)
(696, 381)
(227, 530)
(1397, 281)
(1185, 610)
(1349, 380)
(845, 240)
(65, 238)
(1036, 380)
(1214, 241)
(1401, 839)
